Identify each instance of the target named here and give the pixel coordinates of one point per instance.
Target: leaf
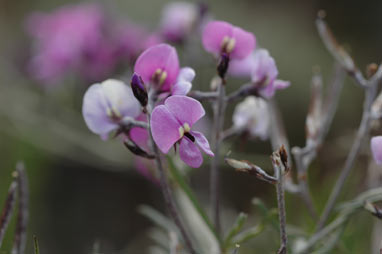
(236, 227)
(158, 218)
(177, 176)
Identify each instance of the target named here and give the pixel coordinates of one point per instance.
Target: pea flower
(171, 123)
(62, 37)
(158, 66)
(252, 115)
(262, 70)
(222, 37)
(178, 20)
(105, 105)
(376, 148)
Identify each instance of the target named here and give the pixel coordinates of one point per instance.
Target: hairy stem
(166, 190)
(219, 111)
(277, 166)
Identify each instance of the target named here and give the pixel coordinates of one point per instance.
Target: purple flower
(171, 123)
(376, 148)
(222, 37)
(62, 38)
(105, 105)
(252, 115)
(261, 67)
(131, 40)
(159, 66)
(178, 20)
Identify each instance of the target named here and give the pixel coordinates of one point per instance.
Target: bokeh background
(85, 190)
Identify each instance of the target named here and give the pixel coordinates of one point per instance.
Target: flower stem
(166, 190)
(370, 93)
(279, 172)
(219, 111)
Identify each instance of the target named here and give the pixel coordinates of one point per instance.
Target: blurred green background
(85, 190)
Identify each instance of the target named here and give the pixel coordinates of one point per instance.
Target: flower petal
(245, 43)
(186, 74)
(164, 128)
(190, 153)
(185, 109)
(162, 56)
(376, 148)
(264, 67)
(242, 67)
(281, 84)
(202, 142)
(181, 88)
(121, 97)
(213, 35)
(94, 111)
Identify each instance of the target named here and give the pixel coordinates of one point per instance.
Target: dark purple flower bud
(223, 65)
(139, 89)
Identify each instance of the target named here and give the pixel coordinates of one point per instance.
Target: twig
(347, 210)
(219, 111)
(129, 123)
(370, 93)
(200, 96)
(244, 90)
(168, 197)
(279, 168)
(247, 167)
(20, 239)
(7, 211)
(338, 51)
(319, 120)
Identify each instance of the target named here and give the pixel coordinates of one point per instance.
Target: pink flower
(132, 39)
(222, 37)
(376, 148)
(62, 38)
(105, 106)
(262, 70)
(171, 123)
(178, 20)
(158, 66)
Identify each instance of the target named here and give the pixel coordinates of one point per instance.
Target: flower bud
(139, 89)
(223, 65)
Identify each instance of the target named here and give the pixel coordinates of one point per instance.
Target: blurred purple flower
(158, 66)
(131, 40)
(171, 123)
(262, 70)
(63, 37)
(105, 105)
(222, 37)
(252, 115)
(376, 148)
(178, 20)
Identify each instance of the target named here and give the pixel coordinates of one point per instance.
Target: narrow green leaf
(177, 176)
(237, 226)
(36, 246)
(248, 234)
(158, 218)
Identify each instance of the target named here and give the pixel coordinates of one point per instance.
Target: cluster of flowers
(111, 105)
(84, 40)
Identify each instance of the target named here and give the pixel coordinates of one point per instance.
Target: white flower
(252, 115)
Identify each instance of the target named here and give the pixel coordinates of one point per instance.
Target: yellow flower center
(184, 129)
(159, 76)
(228, 44)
